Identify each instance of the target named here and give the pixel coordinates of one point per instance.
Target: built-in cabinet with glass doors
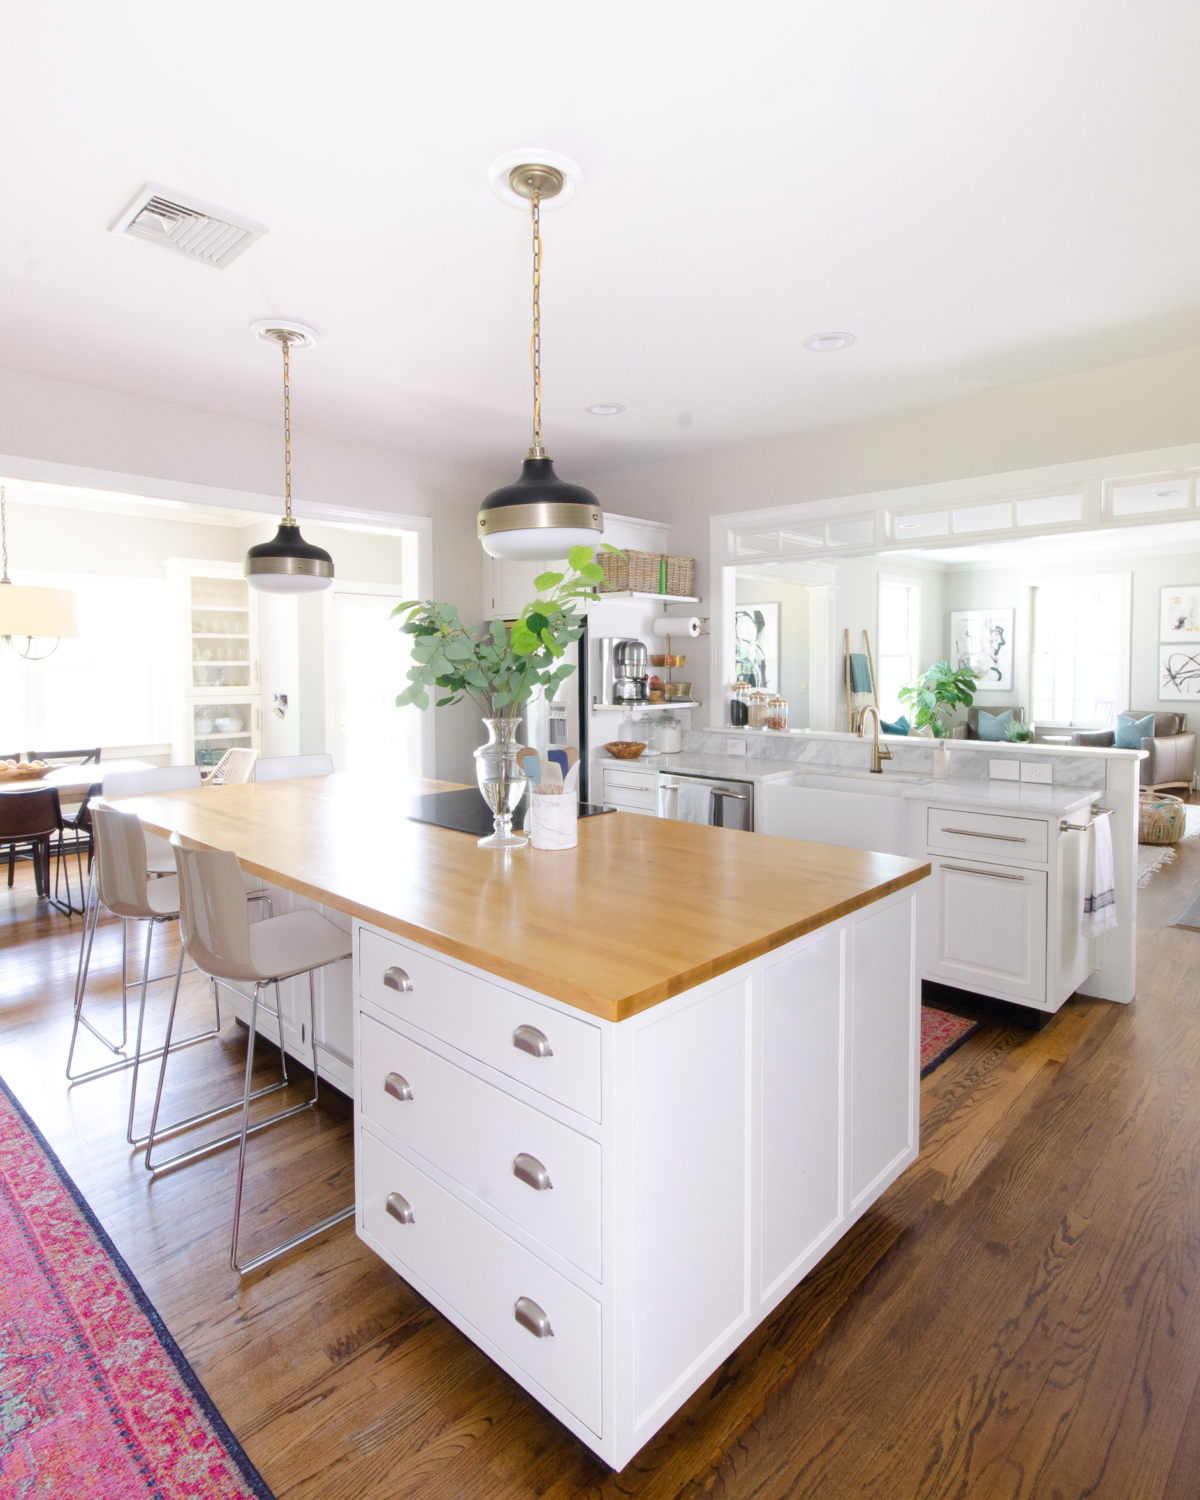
(215, 693)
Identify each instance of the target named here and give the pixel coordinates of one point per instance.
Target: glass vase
(501, 781)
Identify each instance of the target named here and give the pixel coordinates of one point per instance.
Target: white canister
(670, 738)
(553, 821)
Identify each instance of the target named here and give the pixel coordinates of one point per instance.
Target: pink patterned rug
(942, 1034)
(96, 1398)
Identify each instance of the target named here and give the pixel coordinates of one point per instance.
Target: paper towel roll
(677, 625)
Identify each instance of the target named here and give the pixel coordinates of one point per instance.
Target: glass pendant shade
(540, 517)
(287, 564)
(41, 612)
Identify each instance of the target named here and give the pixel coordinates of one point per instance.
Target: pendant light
(29, 612)
(287, 564)
(540, 517)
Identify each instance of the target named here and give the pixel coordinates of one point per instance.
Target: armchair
(1172, 759)
(970, 730)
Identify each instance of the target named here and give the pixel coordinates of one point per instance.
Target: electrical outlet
(736, 745)
(1043, 774)
(1004, 770)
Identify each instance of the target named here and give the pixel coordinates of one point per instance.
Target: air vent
(197, 230)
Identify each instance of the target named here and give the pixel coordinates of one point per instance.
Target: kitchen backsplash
(967, 763)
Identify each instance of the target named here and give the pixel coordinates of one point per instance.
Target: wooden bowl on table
(14, 774)
(625, 749)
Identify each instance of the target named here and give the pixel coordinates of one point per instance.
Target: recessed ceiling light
(604, 409)
(828, 343)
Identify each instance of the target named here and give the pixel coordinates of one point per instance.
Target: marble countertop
(720, 767)
(1004, 796)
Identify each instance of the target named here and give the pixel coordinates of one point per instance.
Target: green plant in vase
(937, 693)
(1019, 733)
(501, 668)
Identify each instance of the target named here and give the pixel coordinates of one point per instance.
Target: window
(108, 687)
(1080, 665)
(899, 642)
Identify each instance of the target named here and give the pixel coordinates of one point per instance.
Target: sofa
(970, 730)
(1172, 758)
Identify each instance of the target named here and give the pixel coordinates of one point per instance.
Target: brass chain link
(535, 342)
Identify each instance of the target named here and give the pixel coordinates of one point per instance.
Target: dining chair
(31, 820)
(222, 942)
(235, 768)
(124, 887)
(285, 767)
(68, 757)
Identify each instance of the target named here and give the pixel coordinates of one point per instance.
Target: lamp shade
(287, 564)
(540, 517)
(41, 612)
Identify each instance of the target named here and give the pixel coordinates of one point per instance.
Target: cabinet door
(802, 1111)
(988, 928)
(511, 586)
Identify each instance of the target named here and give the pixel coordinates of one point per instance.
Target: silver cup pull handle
(397, 1085)
(530, 1170)
(530, 1039)
(400, 1209)
(397, 979)
(531, 1316)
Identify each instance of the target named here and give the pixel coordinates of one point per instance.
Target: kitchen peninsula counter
(641, 910)
(611, 1103)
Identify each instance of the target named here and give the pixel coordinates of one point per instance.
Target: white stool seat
(162, 897)
(295, 942)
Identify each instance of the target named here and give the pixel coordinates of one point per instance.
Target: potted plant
(1019, 732)
(500, 668)
(937, 693)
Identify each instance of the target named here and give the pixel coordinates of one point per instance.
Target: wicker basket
(681, 576)
(1162, 819)
(638, 573)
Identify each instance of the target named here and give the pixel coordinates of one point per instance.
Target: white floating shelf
(662, 598)
(608, 708)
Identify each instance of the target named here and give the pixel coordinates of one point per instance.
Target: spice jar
(739, 705)
(777, 713)
(758, 709)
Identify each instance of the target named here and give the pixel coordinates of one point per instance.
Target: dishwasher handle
(716, 814)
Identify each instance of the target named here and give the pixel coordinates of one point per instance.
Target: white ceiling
(984, 193)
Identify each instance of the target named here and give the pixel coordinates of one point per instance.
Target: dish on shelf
(625, 749)
(227, 725)
(677, 690)
(673, 660)
(204, 726)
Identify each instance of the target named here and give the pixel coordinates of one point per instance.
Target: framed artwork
(983, 640)
(1179, 671)
(756, 644)
(1179, 613)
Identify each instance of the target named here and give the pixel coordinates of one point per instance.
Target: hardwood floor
(1018, 1317)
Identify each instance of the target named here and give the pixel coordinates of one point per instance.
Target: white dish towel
(695, 802)
(1100, 894)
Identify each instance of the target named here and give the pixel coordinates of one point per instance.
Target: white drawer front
(641, 781)
(484, 1020)
(478, 1134)
(988, 928)
(993, 835)
(482, 1274)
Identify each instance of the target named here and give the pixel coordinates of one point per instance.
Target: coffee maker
(630, 672)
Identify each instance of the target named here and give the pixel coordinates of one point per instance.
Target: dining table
(72, 782)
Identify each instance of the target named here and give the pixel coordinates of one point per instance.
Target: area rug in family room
(96, 1398)
(942, 1034)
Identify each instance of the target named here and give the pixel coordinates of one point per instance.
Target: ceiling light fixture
(30, 612)
(828, 343)
(287, 564)
(540, 517)
(604, 409)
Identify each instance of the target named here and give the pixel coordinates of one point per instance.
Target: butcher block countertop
(643, 908)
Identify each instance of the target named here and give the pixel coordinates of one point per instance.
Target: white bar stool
(222, 942)
(122, 884)
(160, 861)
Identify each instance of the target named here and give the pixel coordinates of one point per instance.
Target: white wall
(57, 422)
(856, 607)
(792, 598)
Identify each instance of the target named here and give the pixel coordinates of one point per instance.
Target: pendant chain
(287, 433)
(4, 534)
(535, 343)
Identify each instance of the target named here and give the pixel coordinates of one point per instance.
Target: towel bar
(1097, 812)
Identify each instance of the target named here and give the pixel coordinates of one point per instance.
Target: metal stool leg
(244, 1267)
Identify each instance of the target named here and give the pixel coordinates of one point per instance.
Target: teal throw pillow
(899, 727)
(994, 726)
(1131, 732)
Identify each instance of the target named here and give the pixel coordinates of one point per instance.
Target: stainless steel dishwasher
(730, 804)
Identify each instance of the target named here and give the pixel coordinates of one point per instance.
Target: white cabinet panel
(988, 928)
(475, 1133)
(801, 1104)
(690, 1187)
(483, 1275)
(883, 1023)
(989, 835)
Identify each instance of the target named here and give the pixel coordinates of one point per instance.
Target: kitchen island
(612, 1103)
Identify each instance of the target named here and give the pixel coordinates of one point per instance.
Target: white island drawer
(483, 1275)
(994, 835)
(481, 1136)
(484, 1020)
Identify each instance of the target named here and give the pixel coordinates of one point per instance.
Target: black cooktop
(467, 812)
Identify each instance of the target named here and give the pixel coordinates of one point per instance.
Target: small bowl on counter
(625, 749)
